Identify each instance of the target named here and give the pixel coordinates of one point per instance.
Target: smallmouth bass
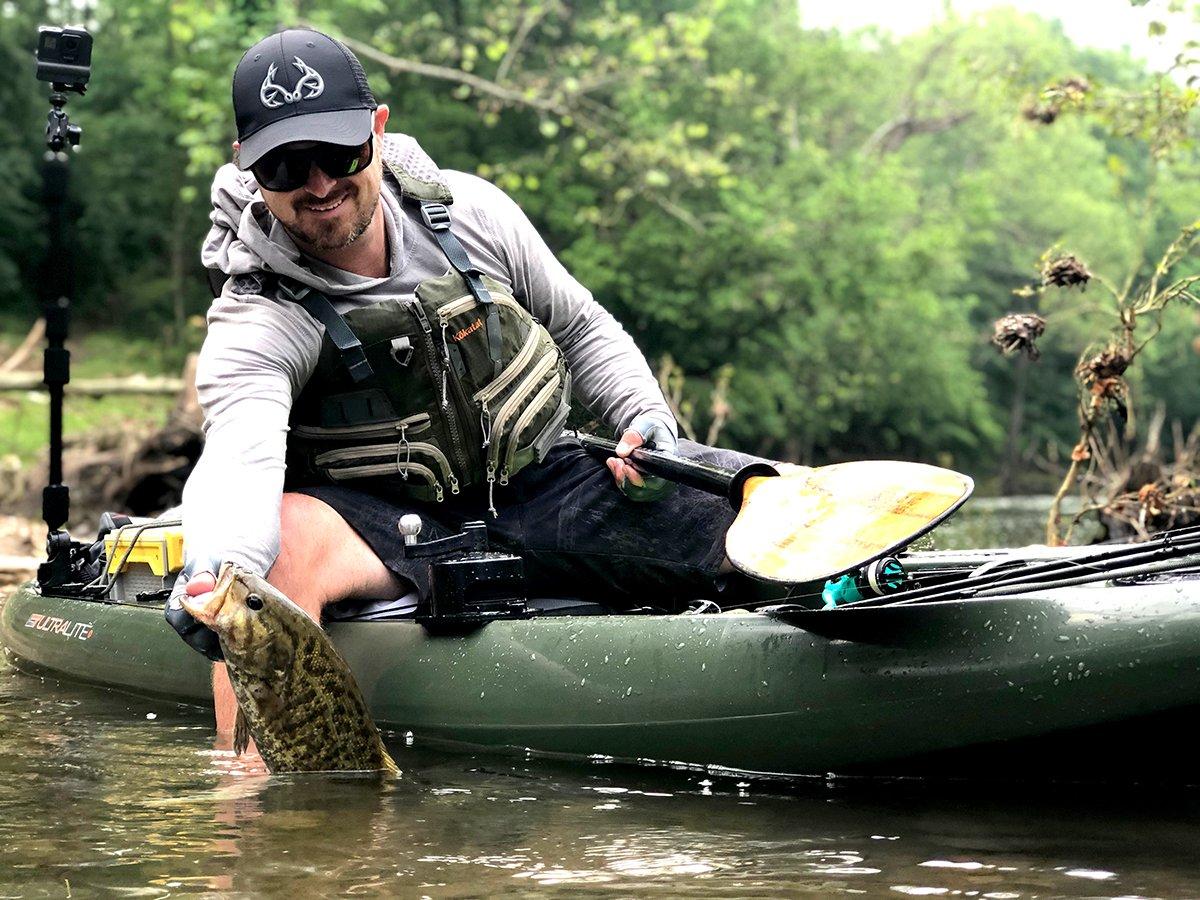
(296, 696)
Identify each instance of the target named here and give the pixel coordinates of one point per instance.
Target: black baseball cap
(299, 85)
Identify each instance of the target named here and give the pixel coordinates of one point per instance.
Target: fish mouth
(206, 608)
(203, 607)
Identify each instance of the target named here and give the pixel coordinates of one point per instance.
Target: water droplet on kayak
(703, 666)
(1063, 639)
(628, 690)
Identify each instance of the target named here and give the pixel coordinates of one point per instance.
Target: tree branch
(529, 21)
(891, 135)
(445, 73)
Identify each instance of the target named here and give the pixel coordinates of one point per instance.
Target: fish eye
(254, 601)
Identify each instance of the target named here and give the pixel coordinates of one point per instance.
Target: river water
(108, 794)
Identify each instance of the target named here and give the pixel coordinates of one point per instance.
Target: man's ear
(236, 147)
(381, 117)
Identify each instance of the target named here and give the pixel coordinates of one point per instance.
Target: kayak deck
(746, 691)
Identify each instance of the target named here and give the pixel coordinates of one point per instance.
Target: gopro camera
(64, 57)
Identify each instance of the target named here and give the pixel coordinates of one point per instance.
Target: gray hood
(244, 237)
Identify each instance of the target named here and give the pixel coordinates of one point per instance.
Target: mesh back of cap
(360, 77)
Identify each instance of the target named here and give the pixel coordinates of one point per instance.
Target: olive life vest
(457, 388)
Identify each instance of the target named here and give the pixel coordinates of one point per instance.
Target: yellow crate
(159, 547)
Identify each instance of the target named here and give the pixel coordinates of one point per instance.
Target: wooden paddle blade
(812, 524)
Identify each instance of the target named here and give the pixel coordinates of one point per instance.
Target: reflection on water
(106, 793)
(99, 791)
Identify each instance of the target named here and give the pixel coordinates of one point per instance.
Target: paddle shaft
(703, 476)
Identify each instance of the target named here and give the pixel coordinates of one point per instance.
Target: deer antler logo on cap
(310, 86)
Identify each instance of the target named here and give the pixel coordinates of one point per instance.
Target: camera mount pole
(57, 284)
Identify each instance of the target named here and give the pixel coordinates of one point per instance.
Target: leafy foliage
(816, 229)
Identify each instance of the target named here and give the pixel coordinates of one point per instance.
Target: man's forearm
(611, 376)
(231, 506)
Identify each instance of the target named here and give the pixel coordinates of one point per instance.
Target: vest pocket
(516, 401)
(381, 470)
(395, 459)
(512, 370)
(410, 424)
(467, 347)
(539, 425)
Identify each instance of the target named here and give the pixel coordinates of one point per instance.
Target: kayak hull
(744, 691)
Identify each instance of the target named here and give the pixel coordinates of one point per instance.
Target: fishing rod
(1011, 574)
(1104, 565)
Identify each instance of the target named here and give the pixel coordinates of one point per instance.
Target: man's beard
(325, 236)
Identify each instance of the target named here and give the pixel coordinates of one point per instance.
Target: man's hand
(197, 636)
(644, 430)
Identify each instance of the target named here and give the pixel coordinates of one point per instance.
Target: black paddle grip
(703, 476)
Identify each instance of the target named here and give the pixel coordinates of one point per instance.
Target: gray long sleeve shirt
(260, 350)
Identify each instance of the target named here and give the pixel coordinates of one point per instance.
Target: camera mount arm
(64, 59)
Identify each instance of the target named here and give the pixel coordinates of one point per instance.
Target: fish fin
(389, 766)
(241, 733)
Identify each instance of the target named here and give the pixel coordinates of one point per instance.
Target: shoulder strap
(420, 182)
(320, 308)
(437, 219)
(216, 281)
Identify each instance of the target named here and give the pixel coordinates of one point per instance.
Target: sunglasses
(285, 169)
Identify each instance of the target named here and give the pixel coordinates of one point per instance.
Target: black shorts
(578, 534)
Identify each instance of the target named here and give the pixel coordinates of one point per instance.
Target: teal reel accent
(883, 576)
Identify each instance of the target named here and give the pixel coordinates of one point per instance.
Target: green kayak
(767, 691)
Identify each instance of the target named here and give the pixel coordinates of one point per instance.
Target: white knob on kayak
(410, 527)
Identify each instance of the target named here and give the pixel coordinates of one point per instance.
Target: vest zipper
(520, 361)
(383, 429)
(389, 469)
(376, 451)
(523, 422)
(523, 390)
(456, 440)
(461, 304)
(403, 442)
(445, 366)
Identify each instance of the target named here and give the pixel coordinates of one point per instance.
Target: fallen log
(97, 387)
(138, 469)
(32, 339)
(18, 565)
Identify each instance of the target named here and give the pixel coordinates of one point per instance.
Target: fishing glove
(197, 636)
(656, 434)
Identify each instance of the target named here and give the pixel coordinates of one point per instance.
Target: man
(326, 356)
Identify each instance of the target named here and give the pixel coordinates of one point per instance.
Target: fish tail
(241, 733)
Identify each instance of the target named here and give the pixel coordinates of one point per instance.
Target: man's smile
(325, 207)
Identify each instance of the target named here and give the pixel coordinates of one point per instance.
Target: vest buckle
(402, 350)
(436, 216)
